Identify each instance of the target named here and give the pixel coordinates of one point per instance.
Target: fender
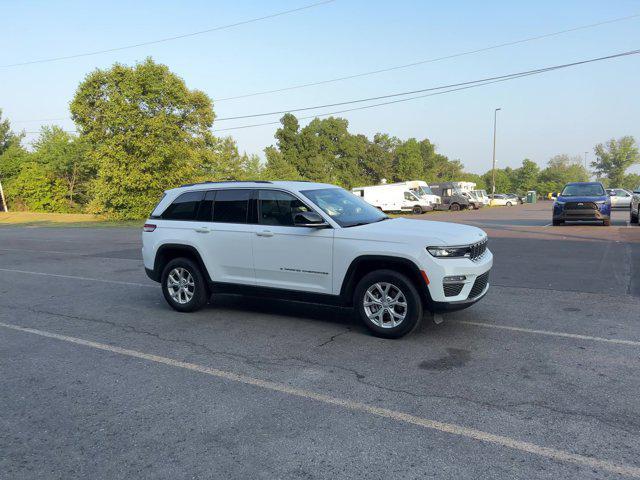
(168, 251)
(366, 263)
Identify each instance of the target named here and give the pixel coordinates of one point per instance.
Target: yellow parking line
(471, 433)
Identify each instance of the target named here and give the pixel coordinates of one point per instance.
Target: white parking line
(55, 252)
(74, 277)
(547, 225)
(617, 341)
(552, 453)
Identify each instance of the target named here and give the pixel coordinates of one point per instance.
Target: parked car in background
(620, 198)
(634, 215)
(499, 199)
(452, 197)
(394, 197)
(582, 201)
(514, 198)
(474, 201)
(311, 242)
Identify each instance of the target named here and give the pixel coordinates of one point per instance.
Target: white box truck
(393, 198)
(421, 189)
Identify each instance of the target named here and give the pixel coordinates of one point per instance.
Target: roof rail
(223, 181)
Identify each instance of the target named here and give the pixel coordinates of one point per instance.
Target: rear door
(286, 256)
(226, 239)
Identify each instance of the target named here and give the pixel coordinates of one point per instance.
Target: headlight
(449, 252)
(600, 202)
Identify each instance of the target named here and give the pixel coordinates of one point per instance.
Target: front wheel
(417, 210)
(455, 207)
(606, 222)
(388, 303)
(183, 285)
(634, 217)
(509, 204)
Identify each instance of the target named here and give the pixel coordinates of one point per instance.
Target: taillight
(148, 227)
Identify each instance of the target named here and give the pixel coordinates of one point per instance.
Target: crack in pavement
(626, 424)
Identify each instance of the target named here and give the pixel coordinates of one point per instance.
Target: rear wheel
(183, 285)
(555, 223)
(417, 210)
(454, 206)
(388, 303)
(606, 222)
(509, 204)
(634, 216)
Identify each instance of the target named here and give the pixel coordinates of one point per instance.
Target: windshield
(424, 190)
(346, 209)
(583, 190)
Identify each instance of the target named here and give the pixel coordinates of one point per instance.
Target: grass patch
(34, 219)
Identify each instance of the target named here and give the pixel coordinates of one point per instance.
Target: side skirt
(278, 293)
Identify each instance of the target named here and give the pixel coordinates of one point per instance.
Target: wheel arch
(364, 264)
(169, 251)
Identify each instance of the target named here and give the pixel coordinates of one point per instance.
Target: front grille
(479, 285)
(477, 249)
(452, 289)
(580, 206)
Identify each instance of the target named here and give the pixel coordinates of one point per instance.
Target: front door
(286, 256)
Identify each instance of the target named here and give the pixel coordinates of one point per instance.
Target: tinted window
(206, 206)
(231, 206)
(278, 208)
(184, 207)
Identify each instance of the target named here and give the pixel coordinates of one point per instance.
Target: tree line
(141, 131)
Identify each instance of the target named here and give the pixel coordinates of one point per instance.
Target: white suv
(311, 242)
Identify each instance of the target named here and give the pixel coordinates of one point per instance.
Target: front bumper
(581, 215)
(463, 294)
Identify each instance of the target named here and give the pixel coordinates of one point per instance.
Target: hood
(404, 230)
(596, 198)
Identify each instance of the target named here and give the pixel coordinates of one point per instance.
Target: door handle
(265, 233)
(202, 230)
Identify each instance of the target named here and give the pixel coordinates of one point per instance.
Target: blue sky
(560, 112)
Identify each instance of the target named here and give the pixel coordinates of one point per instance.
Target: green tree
(145, 130)
(503, 181)
(66, 157)
(36, 189)
(525, 178)
(11, 161)
(410, 165)
(7, 137)
(614, 158)
(277, 167)
(560, 170)
(631, 182)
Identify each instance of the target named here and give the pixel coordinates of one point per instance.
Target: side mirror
(612, 194)
(309, 219)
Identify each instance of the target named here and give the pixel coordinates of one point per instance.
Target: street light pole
(493, 171)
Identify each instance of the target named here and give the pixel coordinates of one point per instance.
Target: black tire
(606, 222)
(454, 206)
(555, 223)
(413, 310)
(509, 204)
(200, 289)
(417, 210)
(634, 217)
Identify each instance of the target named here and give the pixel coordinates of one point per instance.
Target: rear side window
(205, 211)
(231, 206)
(185, 207)
(278, 208)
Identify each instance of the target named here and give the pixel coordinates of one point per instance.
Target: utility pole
(493, 172)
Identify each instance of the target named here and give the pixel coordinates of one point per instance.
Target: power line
(538, 70)
(431, 60)
(460, 86)
(168, 39)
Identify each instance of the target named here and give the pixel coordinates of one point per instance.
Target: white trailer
(393, 198)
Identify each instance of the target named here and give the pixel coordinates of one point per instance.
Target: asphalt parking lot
(100, 379)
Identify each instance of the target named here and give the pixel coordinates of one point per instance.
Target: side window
(278, 208)
(231, 206)
(184, 207)
(408, 196)
(205, 211)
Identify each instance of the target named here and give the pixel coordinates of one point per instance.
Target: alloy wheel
(385, 305)
(180, 285)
